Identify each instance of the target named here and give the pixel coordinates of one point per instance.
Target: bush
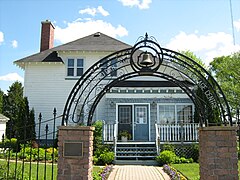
(102, 153)
(166, 157)
(106, 158)
(195, 152)
(9, 143)
(168, 147)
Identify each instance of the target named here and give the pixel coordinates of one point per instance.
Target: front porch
(164, 133)
(135, 151)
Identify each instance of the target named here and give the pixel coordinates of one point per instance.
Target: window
(125, 114)
(141, 114)
(75, 67)
(184, 113)
(175, 113)
(167, 113)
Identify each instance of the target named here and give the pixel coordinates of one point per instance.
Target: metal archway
(146, 58)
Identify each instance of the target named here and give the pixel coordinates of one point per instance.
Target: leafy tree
(194, 57)
(226, 71)
(212, 115)
(1, 100)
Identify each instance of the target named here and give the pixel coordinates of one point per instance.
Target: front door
(141, 123)
(125, 118)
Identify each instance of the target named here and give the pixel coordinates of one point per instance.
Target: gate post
(75, 152)
(218, 157)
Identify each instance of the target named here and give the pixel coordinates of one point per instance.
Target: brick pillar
(71, 165)
(218, 153)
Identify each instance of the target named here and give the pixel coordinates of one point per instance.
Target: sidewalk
(137, 172)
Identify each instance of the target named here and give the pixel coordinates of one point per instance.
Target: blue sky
(202, 26)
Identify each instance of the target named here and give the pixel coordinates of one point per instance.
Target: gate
(31, 158)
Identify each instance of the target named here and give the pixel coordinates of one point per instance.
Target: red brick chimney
(47, 35)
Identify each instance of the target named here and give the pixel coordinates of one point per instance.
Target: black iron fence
(34, 157)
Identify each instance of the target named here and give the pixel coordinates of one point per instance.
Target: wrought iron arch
(146, 58)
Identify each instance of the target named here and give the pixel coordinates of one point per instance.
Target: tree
(226, 71)
(1, 101)
(21, 124)
(211, 114)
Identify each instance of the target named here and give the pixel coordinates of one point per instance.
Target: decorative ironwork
(146, 58)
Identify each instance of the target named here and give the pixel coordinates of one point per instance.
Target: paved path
(137, 172)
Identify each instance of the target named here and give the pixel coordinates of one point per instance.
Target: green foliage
(9, 143)
(169, 157)
(96, 176)
(125, 133)
(102, 153)
(226, 71)
(97, 134)
(195, 152)
(11, 174)
(22, 121)
(166, 157)
(106, 158)
(1, 100)
(168, 147)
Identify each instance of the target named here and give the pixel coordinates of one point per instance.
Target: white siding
(2, 129)
(46, 85)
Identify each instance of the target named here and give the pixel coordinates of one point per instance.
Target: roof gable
(94, 42)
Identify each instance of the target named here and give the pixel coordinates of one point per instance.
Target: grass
(191, 171)
(33, 171)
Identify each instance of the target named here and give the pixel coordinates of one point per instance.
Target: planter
(124, 139)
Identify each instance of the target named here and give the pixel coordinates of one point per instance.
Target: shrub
(102, 153)
(168, 147)
(106, 158)
(9, 143)
(195, 152)
(166, 157)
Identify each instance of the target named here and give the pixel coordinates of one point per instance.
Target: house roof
(3, 118)
(94, 42)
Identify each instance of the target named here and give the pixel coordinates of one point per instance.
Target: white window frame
(75, 67)
(175, 108)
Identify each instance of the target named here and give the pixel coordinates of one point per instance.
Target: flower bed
(103, 174)
(173, 173)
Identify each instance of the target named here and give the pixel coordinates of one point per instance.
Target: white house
(3, 121)
(149, 108)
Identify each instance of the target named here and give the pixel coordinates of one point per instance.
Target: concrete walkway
(137, 172)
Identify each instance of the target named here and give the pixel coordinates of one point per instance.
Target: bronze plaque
(73, 149)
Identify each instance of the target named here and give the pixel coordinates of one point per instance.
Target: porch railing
(182, 132)
(108, 132)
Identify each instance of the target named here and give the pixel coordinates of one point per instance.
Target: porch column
(218, 153)
(75, 153)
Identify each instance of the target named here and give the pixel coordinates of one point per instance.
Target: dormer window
(74, 67)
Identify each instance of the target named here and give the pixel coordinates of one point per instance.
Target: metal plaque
(73, 149)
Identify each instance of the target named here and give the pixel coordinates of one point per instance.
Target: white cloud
(206, 46)
(81, 28)
(237, 25)
(14, 44)
(94, 11)
(102, 11)
(11, 77)
(144, 4)
(1, 37)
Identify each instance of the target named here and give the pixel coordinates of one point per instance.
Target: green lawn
(191, 171)
(41, 170)
(32, 172)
